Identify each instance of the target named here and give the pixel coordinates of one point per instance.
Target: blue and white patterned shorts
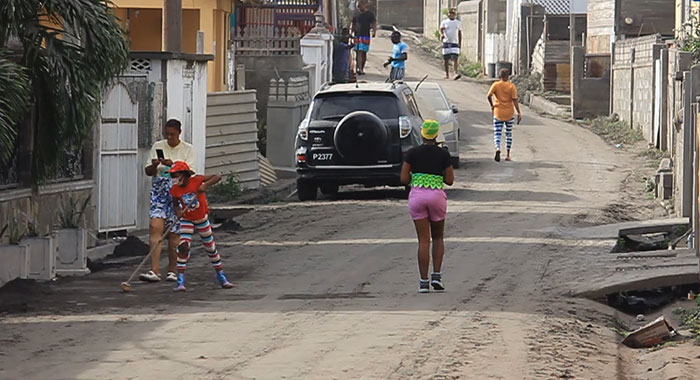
(162, 201)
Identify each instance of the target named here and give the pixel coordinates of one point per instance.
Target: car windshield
(336, 106)
(431, 98)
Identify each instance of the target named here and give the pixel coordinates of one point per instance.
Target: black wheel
(455, 162)
(306, 191)
(329, 189)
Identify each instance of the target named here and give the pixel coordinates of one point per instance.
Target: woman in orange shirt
(503, 111)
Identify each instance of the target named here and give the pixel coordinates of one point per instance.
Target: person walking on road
(364, 28)
(341, 58)
(427, 168)
(451, 36)
(398, 58)
(187, 186)
(163, 154)
(503, 109)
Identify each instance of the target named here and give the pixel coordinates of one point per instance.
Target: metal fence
(9, 177)
(232, 136)
(297, 15)
(265, 41)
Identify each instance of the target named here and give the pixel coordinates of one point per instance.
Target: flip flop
(458, 76)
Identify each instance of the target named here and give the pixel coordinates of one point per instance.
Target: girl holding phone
(163, 154)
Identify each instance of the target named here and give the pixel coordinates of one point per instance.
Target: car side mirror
(454, 109)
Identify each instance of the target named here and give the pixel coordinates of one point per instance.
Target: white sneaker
(171, 277)
(150, 276)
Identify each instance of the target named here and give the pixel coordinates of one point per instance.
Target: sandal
(171, 277)
(150, 276)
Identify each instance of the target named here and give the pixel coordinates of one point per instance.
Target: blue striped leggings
(498, 131)
(203, 228)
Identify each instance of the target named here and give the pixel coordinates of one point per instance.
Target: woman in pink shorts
(427, 168)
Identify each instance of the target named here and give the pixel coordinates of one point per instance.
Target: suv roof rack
(394, 83)
(326, 86)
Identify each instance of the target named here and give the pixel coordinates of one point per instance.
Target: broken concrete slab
(612, 231)
(654, 254)
(653, 226)
(628, 280)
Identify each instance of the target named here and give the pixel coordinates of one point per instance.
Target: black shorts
(450, 57)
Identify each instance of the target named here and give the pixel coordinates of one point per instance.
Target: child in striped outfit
(503, 111)
(188, 186)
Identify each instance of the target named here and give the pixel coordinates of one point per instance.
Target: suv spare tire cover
(361, 137)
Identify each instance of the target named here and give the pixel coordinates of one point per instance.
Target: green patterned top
(428, 181)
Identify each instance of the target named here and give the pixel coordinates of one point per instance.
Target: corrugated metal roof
(553, 7)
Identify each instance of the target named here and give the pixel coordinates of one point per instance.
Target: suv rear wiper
(332, 117)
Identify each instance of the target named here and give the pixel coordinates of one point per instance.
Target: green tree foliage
(59, 56)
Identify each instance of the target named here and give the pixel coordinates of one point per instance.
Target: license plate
(322, 156)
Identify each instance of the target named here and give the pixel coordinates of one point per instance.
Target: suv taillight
(404, 126)
(303, 130)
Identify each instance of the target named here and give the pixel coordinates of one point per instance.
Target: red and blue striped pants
(203, 227)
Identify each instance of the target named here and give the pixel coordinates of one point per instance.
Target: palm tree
(59, 55)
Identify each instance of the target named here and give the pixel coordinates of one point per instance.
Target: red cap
(180, 166)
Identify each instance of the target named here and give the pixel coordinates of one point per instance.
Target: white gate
(118, 166)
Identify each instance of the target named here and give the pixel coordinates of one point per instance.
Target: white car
(433, 104)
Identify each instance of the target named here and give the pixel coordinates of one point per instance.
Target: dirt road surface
(327, 289)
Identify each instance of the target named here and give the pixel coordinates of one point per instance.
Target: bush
(528, 82)
(262, 137)
(690, 319)
(469, 68)
(226, 190)
(615, 131)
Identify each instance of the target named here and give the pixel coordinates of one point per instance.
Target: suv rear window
(336, 106)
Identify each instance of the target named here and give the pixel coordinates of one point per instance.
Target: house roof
(553, 7)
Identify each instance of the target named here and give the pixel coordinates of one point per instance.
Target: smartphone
(159, 153)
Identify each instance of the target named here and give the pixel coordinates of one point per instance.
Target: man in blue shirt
(398, 58)
(341, 58)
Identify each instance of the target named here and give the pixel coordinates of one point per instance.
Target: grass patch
(654, 156)
(226, 190)
(615, 131)
(690, 318)
(469, 68)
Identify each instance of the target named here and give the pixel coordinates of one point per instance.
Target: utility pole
(172, 25)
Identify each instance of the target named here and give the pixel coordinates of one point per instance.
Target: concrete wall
(42, 206)
(288, 105)
(232, 135)
(601, 26)
(187, 101)
(259, 71)
(470, 16)
(634, 82)
(590, 97)
(402, 13)
(679, 65)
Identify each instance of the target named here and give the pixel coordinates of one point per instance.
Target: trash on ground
(656, 332)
